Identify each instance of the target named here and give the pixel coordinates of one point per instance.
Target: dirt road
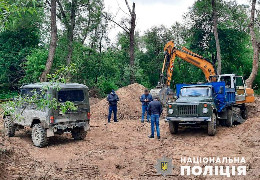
(123, 151)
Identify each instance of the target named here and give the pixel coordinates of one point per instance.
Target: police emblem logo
(164, 166)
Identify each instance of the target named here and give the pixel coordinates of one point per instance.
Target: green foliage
(35, 65)
(7, 94)
(106, 85)
(104, 66)
(15, 14)
(14, 47)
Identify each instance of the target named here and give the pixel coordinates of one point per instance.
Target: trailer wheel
(173, 126)
(9, 126)
(229, 121)
(244, 113)
(212, 125)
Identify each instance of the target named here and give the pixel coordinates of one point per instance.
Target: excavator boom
(171, 52)
(244, 95)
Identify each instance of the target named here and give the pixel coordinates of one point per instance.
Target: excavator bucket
(161, 93)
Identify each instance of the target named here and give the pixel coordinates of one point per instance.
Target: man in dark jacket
(112, 99)
(155, 110)
(146, 98)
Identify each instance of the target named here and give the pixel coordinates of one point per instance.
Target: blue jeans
(155, 120)
(114, 110)
(144, 110)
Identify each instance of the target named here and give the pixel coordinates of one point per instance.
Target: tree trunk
(255, 44)
(132, 44)
(53, 42)
(215, 30)
(70, 30)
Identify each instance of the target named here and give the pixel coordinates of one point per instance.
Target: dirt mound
(129, 106)
(254, 108)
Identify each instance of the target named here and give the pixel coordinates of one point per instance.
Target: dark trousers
(114, 110)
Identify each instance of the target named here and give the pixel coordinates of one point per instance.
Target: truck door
(240, 88)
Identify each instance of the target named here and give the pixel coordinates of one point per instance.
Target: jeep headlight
(205, 110)
(170, 111)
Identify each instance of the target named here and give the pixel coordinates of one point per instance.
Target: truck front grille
(187, 109)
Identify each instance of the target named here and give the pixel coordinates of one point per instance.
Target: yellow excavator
(243, 94)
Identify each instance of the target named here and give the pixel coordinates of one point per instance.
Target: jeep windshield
(195, 91)
(71, 95)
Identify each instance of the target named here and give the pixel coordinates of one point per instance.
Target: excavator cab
(240, 88)
(234, 84)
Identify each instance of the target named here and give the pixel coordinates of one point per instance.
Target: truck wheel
(212, 125)
(244, 113)
(39, 136)
(78, 133)
(9, 126)
(229, 121)
(173, 126)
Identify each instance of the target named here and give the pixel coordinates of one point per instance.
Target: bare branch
(122, 9)
(48, 2)
(126, 2)
(63, 14)
(119, 25)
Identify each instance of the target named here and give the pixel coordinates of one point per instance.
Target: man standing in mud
(146, 98)
(155, 110)
(112, 99)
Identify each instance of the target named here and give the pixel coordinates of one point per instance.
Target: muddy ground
(123, 150)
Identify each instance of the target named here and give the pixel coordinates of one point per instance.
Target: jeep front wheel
(39, 136)
(9, 126)
(229, 121)
(212, 125)
(78, 133)
(173, 126)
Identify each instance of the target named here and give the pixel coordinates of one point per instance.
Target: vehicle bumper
(66, 126)
(188, 119)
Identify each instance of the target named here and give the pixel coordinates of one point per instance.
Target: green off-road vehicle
(47, 122)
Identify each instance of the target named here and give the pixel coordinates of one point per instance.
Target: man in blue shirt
(155, 110)
(146, 98)
(112, 99)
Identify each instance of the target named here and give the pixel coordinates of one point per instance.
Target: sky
(150, 12)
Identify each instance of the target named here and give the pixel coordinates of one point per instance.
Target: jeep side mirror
(221, 90)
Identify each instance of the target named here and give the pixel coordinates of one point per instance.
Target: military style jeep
(47, 122)
(200, 104)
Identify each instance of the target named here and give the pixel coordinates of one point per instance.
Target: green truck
(201, 104)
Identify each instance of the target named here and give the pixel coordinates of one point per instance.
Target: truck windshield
(70, 95)
(195, 91)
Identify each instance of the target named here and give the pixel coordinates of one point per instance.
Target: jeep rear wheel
(9, 126)
(39, 136)
(78, 133)
(173, 126)
(229, 121)
(212, 125)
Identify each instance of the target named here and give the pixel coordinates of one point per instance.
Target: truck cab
(199, 104)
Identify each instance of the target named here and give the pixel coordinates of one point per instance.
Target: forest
(39, 37)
